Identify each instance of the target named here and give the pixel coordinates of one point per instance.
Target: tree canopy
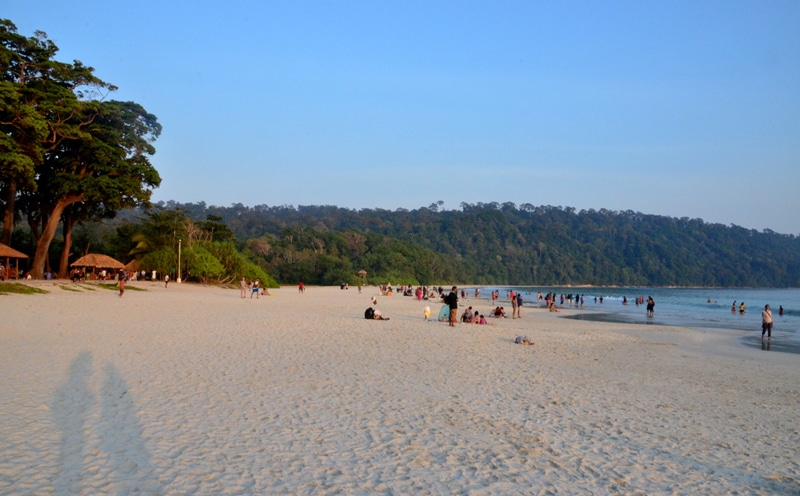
(62, 146)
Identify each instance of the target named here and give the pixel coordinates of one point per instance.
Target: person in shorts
(766, 323)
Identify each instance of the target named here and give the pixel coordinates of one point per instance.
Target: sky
(675, 108)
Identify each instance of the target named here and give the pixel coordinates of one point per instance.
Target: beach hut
(97, 262)
(6, 255)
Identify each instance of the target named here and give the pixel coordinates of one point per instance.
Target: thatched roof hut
(98, 261)
(8, 252)
(6, 255)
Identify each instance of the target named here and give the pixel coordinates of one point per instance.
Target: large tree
(40, 99)
(107, 166)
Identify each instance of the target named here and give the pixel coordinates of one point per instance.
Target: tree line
(478, 244)
(537, 245)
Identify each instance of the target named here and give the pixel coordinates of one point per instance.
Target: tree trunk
(48, 233)
(8, 215)
(63, 266)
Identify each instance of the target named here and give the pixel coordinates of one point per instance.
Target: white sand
(191, 390)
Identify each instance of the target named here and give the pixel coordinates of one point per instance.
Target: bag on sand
(369, 313)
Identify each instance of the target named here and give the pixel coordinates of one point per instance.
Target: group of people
(253, 287)
(473, 317)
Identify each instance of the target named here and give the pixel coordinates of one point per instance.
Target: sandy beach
(193, 390)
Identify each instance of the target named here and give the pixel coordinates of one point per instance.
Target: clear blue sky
(677, 108)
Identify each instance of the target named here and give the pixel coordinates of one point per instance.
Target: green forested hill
(505, 244)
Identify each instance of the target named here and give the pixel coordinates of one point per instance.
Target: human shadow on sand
(72, 405)
(122, 437)
(114, 442)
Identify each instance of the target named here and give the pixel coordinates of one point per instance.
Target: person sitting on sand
(373, 314)
(499, 312)
(482, 321)
(553, 307)
(523, 340)
(467, 315)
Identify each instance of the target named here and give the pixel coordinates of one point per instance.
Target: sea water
(685, 307)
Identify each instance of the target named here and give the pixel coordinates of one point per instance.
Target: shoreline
(193, 390)
(750, 339)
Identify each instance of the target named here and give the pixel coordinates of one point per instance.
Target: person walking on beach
(452, 301)
(166, 280)
(121, 282)
(766, 323)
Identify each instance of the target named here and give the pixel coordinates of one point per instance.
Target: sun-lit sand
(192, 390)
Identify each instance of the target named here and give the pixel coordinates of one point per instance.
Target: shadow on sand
(122, 456)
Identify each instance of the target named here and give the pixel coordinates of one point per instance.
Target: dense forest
(479, 244)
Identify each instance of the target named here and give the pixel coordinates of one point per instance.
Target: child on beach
(482, 321)
(427, 312)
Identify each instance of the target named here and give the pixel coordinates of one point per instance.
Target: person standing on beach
(513, 298)
(243, 287)
(766, 323)
(166, 280)
(518, 306)
(452, 301)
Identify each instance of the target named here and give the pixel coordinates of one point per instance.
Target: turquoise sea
(695, 307)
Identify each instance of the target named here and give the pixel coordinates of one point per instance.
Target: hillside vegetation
(504, 244)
